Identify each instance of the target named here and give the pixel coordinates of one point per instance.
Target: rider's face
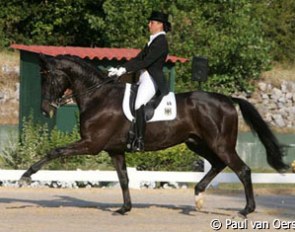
(155, 26)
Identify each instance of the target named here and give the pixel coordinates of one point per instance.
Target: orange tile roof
(91, 53)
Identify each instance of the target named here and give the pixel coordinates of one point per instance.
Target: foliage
(127, 23)
(278, 19)
(177, 158)
(230, 37)
(59, 22)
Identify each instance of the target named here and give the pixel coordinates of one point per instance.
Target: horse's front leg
(77, 148)
(120, 165)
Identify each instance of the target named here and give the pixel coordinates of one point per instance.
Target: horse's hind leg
(244, 174)
(216, 167)
(230, 157)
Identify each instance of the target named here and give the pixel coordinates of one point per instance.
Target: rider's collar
(152, 37)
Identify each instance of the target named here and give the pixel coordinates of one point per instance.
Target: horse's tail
(274, 150)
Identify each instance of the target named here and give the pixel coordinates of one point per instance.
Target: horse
(206, 122)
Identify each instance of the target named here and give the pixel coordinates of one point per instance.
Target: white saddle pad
(165, 111)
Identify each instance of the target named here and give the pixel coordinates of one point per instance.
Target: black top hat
(161, 17)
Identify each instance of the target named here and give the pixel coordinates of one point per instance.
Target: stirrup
(135, 145)
(130, 140)
(131, 137)
(138, 144)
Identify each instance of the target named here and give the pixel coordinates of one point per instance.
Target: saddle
(159, 108)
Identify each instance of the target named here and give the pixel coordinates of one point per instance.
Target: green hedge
(36, 140)
(177, 158)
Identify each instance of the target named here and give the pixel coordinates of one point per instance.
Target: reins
(65, 99)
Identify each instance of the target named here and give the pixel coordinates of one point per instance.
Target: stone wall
(9, 95)
(276, 104)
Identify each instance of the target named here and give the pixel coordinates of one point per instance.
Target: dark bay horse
(206, 122)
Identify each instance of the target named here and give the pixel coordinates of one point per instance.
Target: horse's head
(62, 72)
(54, 82)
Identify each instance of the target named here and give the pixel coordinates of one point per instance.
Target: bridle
(66, 98)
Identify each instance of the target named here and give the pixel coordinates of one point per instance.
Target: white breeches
(146, 89)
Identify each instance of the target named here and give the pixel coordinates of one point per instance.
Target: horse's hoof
(199, 201)
(122, 211)
(24, 181)
(119, 212)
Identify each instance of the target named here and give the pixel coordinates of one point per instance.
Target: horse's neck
(80, 75)
(109, 94)
(82, 81)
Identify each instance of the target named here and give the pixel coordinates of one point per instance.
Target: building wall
(30, 89)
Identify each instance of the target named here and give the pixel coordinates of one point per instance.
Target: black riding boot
(138, 144)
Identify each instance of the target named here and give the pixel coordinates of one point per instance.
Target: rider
(150, 63)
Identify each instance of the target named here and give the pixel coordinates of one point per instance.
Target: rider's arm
(158, 49)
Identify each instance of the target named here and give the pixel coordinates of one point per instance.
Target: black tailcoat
(152, 58)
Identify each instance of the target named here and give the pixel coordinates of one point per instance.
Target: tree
(278, 19)
(59, 22)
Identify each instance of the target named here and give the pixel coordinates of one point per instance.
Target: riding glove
(116, 72)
